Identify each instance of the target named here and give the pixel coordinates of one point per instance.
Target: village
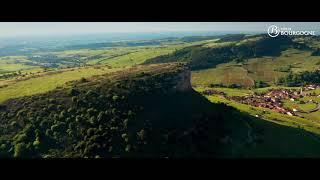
(274, 99)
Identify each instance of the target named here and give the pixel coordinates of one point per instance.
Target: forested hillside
(146, 111)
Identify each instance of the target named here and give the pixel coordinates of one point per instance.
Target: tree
(260, 84)
(101, 116)
(74, 92)
(36, 143)
(20, 150)
(115, 98)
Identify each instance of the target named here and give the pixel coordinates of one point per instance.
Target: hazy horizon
(33, 29)
(103, 37)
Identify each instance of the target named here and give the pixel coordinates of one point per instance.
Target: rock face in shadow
(184, 81)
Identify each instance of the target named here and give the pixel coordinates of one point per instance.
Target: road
(315, 109)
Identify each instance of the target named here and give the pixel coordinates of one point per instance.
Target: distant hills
(239, 47)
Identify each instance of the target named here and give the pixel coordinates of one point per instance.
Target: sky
(14, 29)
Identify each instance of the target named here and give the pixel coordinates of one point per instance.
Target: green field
(313, 98)
(222, 74)
(10, 64)
(307, 106)
(137, 56)
(265, 69)
(40, 82)
(228, 91)
(123, 56)
(48, 82)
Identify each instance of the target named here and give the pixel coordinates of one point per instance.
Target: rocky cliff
(183, 81)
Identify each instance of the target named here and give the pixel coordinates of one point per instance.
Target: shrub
(101, 116)
(142, 74)
(70, 132)
(36, 143)
(90, 132)
(70, 110)
(62, 115)
(234, 86)
(91, 111)
(92, 120)
(51, 107)
(52, 101)
(260, 84)
(91, 93)
(3, 147)
(21, 138)
(82, 80)
(14, 124)
(115, 98)
(54, 127)
(128, 147)
(48, 132)
(216, 85)
(44, 124)
(74, 92)
(2, 107)
(316, 52)
(74, 99)
(141, 134)
(302, 102)
(20, 150)
(130, 113)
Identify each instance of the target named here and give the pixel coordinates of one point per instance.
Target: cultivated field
(268, 69)
(49, 81)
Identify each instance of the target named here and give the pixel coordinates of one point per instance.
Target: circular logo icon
(273, 31)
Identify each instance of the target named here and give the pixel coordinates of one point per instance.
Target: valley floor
(283, 135)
